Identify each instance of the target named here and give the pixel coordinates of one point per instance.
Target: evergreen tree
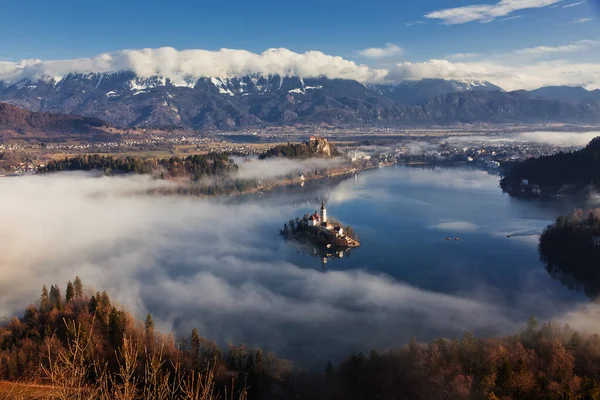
(195, 347)
(532, 329)
(44, 300)
(259, 366)
(104, 308)
(93, 305)
(78, 287)
(250, 363)
(149, 330)
(55, 297)
(70, 292)
(117, 322)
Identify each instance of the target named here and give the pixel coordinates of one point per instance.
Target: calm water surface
(403, 216)
(406, 279)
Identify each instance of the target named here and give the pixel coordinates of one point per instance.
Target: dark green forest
(567, 250)
(568, 173)
(194, 167)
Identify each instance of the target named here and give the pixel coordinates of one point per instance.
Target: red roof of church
(315, 217)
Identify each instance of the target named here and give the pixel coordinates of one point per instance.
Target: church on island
(319, 229)
(320, 220)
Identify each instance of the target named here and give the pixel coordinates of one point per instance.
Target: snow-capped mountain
(124, 99)
(419, 92)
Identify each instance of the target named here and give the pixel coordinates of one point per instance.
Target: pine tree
(44, 300)
(78, 286)
(250, 363)
(532, 329)
(55, 297)
(93, 305)
(149, 330)
(117, 322)
(259, 366)
(195, 347)
(70, 292)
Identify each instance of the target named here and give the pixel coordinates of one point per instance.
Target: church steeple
(323, 212)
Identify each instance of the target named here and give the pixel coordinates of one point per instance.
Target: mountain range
(126, 100)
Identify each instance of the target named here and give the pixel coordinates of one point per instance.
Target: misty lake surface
(403, 216)
(219, 264)
(489, 283)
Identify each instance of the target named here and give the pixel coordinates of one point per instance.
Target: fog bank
(198, 262)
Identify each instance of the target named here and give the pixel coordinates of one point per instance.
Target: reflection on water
(321, 252)
(570, 249)
(220, 265)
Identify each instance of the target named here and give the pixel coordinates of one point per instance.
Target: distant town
(482, 149)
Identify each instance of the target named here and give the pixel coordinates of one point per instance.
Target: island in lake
(322, 233)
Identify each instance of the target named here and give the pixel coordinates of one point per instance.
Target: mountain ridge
(124, 99)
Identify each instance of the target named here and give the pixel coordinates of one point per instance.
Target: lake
(221, 266)
(403, 216)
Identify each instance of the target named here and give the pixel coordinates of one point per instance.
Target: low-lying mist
(280, 167)
(200, 262)
(563, 139)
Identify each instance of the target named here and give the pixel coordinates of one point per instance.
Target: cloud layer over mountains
(183, 66)
(180, 65)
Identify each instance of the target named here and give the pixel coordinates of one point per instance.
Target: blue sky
(73, 28)
(416, 31)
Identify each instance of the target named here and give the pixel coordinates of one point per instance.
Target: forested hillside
(563, 173)
(86, 347)
(195, 167)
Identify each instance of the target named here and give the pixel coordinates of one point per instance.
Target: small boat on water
(456, 238)
(447, 239)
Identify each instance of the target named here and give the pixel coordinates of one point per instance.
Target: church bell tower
(323, 212)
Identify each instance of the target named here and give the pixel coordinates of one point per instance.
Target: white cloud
(486, 12)
(574, 4)
(575, 46)
(579, 139)
(267, 169)
(463, 56)
(509, 70)
(582, 20)
(419, 22)
(179, 65)
(511, 18)
(530, 52)
(390, 49)
(509, 77)
(565, 139)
